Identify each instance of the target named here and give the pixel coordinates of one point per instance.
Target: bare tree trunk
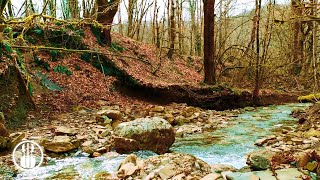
(131, 8)
(180, 24)
(10, 11)
(192, 9)
(156, 27)
(172, 30)
(209, 49)
(106, 12)
(120, 22)
(257, 64)
(297, 51)
(314, 47)
(26, 3)
(74, 8)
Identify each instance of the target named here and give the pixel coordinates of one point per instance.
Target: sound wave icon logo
(27, 155)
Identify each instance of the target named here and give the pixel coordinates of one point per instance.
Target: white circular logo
(27, 155)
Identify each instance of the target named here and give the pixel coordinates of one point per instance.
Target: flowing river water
(228, 145)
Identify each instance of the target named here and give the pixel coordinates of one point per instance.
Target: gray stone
(260, 160)
(154, 134)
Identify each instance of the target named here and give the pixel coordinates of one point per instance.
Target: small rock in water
(96, 154)
(132, 158)
(261, 142)
(103, 175)
(126, 170)
(249, 108)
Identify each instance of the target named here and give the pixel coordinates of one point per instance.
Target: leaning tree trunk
(106, 12)
(209, 49)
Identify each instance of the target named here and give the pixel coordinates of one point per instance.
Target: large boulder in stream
(166, 166)
(154, 134)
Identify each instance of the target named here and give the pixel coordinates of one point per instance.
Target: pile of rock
(168, 166)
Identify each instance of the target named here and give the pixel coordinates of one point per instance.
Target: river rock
(2, 119)
(312, 133)
(290, 173)
(260, 160)
(128, 166)
(218, 168)
(249, 108)
(282, 174)
(302, 158)
(311, 166)
(132, 158)
(88, 150)
(171, 165)
(167, 171)
(158, 109)
(103, 175)
(212, 176)
(60, 144)
(15, 138)
(96, 154)
(63, 130)
(154, 134)
(242, 176)
(261, 142)
(3, 143)
(179, 177)
(3, 130)
(112, 114)
(170, 118)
